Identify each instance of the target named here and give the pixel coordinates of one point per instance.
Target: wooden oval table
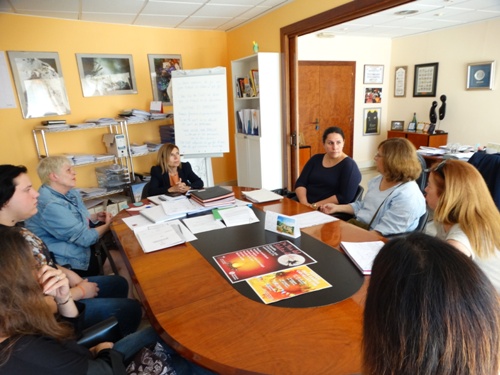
(201, 315)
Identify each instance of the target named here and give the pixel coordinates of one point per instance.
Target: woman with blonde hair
(171, 176)
(465, 214)
(393, 202)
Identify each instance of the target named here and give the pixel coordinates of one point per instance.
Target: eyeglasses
(438, 168)
(377, 155)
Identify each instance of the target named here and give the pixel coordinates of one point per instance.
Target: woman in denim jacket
(64, 223)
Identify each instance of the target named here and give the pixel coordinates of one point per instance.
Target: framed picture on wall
(39, 83)
(425, 80)
(102, 75)
(480, 75)
(373, 74)
(372, 118)
(160, 69)
(373, 95)
(400, 75)
(397, 125)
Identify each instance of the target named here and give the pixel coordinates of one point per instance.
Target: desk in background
(199, 313)
(420, 138)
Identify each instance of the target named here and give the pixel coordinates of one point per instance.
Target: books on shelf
(261, 196)
(248, 121)
(254, 80)
(362, 254)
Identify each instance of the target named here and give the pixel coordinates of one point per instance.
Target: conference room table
(205, 318)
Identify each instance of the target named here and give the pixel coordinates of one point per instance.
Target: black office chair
(489, 166)
(422, 179)
(107, 330)
(357, 197)
(145, 191)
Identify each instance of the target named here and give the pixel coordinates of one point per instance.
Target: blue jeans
(132, 344)
(112, 301)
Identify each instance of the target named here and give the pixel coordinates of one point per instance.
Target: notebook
(211, 194)
(157, 214)
(261, 196)
(362, 254)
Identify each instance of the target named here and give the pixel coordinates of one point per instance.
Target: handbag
(151, 361)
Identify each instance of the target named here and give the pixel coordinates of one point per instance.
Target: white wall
(372, 51)
(471, 116)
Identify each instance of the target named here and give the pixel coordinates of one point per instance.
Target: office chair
(106, 331)
(357, 197)
(489, 166)
(422, 179)
(145, 191)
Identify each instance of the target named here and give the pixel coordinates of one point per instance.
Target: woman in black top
(171, 176)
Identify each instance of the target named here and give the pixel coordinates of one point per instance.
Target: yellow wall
(199, 49)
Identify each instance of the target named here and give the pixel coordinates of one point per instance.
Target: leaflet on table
(309, 219)
(362, 254)
(182, 206)
(239, 215)
(157, 199)
(286, 284)
(282, 224)
(203, 223)
(260, 260)
(155, 237)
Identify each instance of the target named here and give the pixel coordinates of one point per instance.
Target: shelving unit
(41, 137)
(259, 157)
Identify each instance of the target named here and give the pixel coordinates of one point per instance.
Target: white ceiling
(182, 14)
(228, 14)
(431, 15)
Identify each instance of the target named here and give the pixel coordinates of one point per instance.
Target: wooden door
(325, 98)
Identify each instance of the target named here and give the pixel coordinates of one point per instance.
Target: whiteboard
(200, 111)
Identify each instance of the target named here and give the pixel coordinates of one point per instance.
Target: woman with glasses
(393, 203)
(332, 177)
(465, 214)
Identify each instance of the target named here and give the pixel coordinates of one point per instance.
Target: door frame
(288, 40)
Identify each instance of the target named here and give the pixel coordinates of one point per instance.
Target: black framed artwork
(425, 80)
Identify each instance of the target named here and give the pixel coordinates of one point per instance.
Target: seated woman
(429, 310)
(465, 214)
(171, 176)
(332, 177)
(64, 223)
(33, 342)
(103, 296)
(393, 202)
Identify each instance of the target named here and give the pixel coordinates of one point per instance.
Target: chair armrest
(106, 331)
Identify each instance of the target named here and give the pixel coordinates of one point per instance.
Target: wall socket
(492, 148)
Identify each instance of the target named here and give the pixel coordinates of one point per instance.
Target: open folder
(362, 254)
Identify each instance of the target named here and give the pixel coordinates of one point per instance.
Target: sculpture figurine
(432, 113)
(442, 109)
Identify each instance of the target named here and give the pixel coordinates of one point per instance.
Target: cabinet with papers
(258, 128)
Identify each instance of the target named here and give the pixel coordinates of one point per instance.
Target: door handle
(316, 123)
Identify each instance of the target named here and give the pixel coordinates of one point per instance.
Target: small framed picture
(420, 126)
(400, 75)
(372, 120)
(412, 127)
(160, 69)
(374, 74)
(373, 95)
(480, 75)
(397, 125)
(425, 80)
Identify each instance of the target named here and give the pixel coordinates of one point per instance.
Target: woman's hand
(328, 208)
(103, 345)
(54, 283)
(86, 290)
(179, 187)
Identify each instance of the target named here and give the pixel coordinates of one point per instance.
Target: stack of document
(138, 149)
(215, 196)
(261, 196)
(362, 254)
(157, 214)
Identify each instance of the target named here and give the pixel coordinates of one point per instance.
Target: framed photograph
(412, 126)
(373, 95)
(400, 74)
(480, 75)
(425, 80)
(397, 125)
(373, 74)
(420, 126)
(39, 83)
(372, 118)
(103, 75)
(161, 68)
